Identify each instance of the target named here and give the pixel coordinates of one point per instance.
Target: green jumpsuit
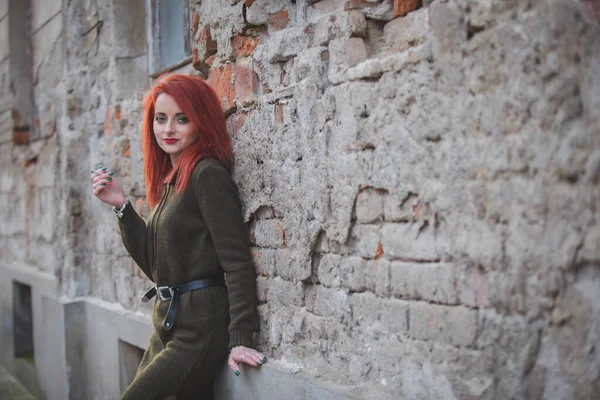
(197, 234)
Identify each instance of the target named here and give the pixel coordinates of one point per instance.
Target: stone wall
(420, 180)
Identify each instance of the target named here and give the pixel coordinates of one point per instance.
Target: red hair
(201, 106)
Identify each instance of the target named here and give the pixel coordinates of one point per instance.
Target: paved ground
(11, 388)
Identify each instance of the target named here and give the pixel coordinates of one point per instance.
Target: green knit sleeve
(133, 234)
(221, 209)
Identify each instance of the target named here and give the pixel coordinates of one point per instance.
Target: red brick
(358, 4)
(233, 81)
(246, 84)
(379, 252)
(279, 20)
(221, 80)
(197, 62)
(278, 113)
(195, 23)
(118, 112)
(108, 122)
(235, 122)
(249, 3)
(127, 152)
(206, 40)
(210, 60)
(243, 46)
(203, 49)
(403, 7)
(20, 137)
(21, 134)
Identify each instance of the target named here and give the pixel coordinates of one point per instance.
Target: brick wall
(420, 181)
(415, 187)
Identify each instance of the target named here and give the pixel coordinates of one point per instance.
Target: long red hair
(201, 106)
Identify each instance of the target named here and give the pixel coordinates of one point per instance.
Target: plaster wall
(420, 181)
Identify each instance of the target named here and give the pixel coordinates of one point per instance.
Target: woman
(195, 233)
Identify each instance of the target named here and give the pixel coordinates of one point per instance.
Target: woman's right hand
(106, 188)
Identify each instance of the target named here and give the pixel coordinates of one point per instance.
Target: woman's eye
(160, 119)
(182, 120)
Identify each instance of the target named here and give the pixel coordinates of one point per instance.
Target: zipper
(154, 221)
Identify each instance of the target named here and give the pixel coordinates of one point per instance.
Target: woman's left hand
(243, 354)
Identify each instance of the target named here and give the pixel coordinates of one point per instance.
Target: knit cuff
(241, 338)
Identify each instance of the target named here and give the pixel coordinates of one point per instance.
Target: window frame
(154, 46)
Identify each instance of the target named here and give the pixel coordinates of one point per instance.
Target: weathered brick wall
(421, 189)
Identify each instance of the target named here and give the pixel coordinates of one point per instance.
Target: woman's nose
(170, 128)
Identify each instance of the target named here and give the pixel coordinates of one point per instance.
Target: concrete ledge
(49, 366)
(93, 347)
(85, 348)
(275, 381)
(76, 341)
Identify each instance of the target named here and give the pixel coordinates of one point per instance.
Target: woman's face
(174, 132)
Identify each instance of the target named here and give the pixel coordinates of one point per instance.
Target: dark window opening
(22, 322)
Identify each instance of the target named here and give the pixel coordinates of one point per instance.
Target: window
(22, 322)
(18, 53)
(171, 34)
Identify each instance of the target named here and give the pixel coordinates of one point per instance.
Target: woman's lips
(171, 141)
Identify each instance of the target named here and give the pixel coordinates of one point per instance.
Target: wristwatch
(119, 211)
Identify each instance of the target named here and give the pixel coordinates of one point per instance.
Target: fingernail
(111, 173)
(237, 373)
(104, 168)
(256, 362)
(264, 359)
(109, 179)
(104, 184)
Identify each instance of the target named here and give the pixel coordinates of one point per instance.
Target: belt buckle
(164, 293)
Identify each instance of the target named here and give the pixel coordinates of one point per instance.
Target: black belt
(172, 293)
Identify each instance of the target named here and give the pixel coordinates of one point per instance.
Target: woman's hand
(243, 354)
(106, 188)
